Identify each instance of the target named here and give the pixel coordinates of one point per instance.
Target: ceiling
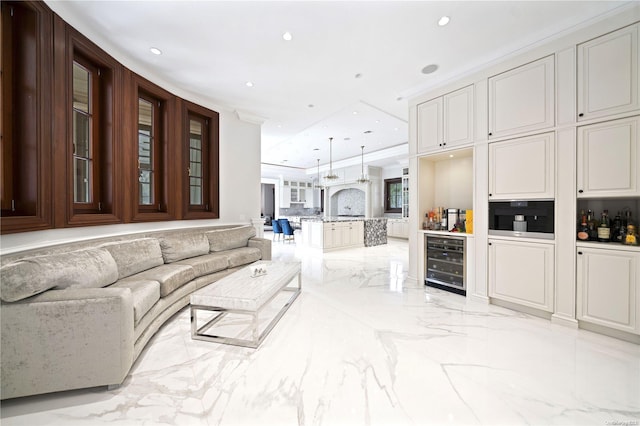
(346, 73)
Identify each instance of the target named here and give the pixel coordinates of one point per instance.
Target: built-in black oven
(522, 218)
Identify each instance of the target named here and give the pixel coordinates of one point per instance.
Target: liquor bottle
(583, 232)
(631, 237)
(593, 225)
(604, 229)
(616, 229)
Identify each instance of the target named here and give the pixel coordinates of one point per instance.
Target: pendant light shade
(331, 175)
(363, 178)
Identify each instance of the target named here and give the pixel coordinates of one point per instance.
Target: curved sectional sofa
(78, 315)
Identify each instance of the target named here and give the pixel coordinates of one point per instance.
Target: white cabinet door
(285, 195)
(522, 273)
(430, 125)
(522, 168)
(522, 100)
(608, 282)
(608, 159)
(458, 117)
(608, 74)
(446, 121)
(328, 237)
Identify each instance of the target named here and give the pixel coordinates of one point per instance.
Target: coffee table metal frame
(199, 333)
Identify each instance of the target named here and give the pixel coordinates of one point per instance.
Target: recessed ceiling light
(355, 112)
(358, 75)
(366, 132)
(155, 51)
(287, 36)
(284, 161)
(347, 139)
(316, 149)
(377, 121)
(429, 69)
(249, 84)
(443, 21)
(311, 105)
(399, 98)
(279, 126)
(396, 129)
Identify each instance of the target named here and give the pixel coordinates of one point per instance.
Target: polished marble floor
(359, 347)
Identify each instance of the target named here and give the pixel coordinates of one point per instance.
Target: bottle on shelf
(592, 224)
(631, 237)
(616, 229)
(583, 229)
(604, 228)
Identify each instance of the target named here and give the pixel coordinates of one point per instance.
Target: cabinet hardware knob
(581, 115)
(490, 243)
(490, 134)
(580, 252)
(580, 191)
(444, 144)
(490, 195)
(439, 144)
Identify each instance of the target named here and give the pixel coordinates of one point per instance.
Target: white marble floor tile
(360, 347)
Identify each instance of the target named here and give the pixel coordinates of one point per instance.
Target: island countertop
(342, 219)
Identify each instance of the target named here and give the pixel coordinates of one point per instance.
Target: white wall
(239, 194)
(454, 187)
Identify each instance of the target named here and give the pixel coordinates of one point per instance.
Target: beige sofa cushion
(170, 277)
(83, 268)
(227, 239)
(207, 264)
(145, 294)
(242, 256)
(183, 246)
(135, 256)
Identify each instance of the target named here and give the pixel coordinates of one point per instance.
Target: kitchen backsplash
(299, 211)
(349, 202)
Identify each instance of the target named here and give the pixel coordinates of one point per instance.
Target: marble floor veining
(359, 347)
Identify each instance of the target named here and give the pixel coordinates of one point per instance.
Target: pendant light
(318, 185)
(363, 178)
(331, 175)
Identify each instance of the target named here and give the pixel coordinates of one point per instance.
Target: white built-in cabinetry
(522, 272)
(333, 235)
(296, 192)
(522, 99)
(608, 285)
(446, 121)
(608, 74)
(398, 228)
(608, 159)
(522, 168)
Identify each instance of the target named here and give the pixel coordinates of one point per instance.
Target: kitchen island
(332, 233)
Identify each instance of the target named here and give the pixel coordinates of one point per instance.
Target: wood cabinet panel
(607, 287)
(522, 99)
(608, 74)
(608, 159)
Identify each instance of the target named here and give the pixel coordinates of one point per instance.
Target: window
(393, 195)
(202, 158)
(90, 136)
(25, 118)
(197, 155)
(150, 154)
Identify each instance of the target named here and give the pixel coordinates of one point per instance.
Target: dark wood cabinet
(25, 186)
(80, 152)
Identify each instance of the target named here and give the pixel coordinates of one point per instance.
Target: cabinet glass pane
(195, 162)
(81, 193)
(145, 151)
(80, 88)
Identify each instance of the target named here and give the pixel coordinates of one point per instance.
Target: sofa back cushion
(135, 256)
(183, 245)
(227, 239)
(83, 268)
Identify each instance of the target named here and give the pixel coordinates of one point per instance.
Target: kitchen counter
(334, 232)
(447, 233)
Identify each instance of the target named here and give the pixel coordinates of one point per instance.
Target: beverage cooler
(444, 263)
